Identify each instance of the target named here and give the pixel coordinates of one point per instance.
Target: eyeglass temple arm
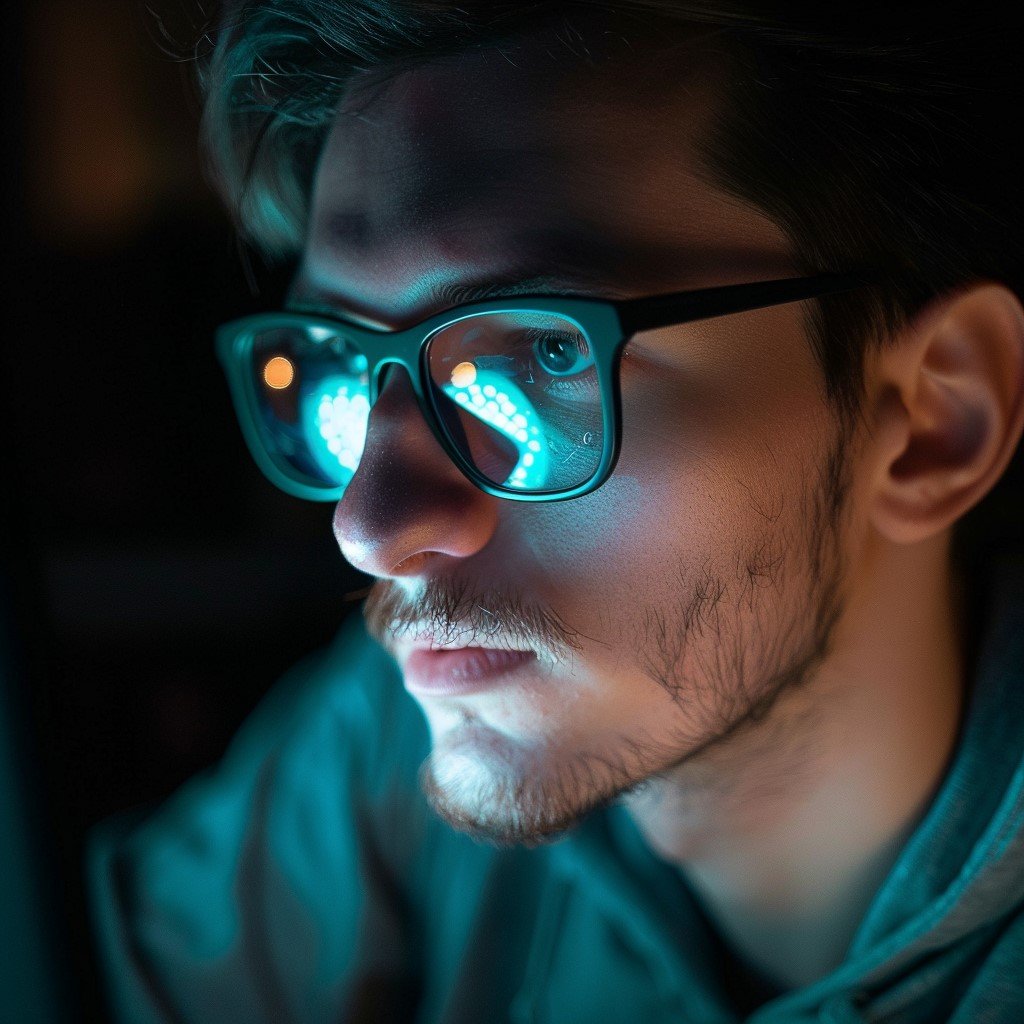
(681, 307)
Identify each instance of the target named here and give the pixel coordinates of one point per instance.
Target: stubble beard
(724, 653)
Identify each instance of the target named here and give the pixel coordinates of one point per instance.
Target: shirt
(305, 879)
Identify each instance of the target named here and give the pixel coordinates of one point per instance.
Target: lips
(462, 670)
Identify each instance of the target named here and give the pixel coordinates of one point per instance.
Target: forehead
(495, 165)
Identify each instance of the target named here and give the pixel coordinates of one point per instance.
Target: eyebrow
(441, 296)
(457, 293)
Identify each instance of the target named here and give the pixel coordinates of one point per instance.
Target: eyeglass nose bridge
(402, 348)
(409, 353)
(406, 349)
(381, 374)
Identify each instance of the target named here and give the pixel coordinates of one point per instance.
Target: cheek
(610, 554)
(711, 452)
(679, 469)
(718, 436)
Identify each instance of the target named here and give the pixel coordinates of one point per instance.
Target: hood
(953, 890)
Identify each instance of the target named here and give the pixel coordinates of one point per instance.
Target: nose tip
(408, 505)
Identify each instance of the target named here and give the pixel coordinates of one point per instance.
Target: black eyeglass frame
(606, 324)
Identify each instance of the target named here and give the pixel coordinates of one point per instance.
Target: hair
(878, 136)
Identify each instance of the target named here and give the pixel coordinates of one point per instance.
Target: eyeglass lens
(516, 393)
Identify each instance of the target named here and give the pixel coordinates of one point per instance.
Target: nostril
(411, 564)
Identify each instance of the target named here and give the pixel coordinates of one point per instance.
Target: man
(718, 723)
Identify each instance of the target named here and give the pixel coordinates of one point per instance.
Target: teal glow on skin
(705, 578)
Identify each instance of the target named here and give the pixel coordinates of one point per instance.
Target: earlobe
(948, 411)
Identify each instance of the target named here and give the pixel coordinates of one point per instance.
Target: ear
(946, 407)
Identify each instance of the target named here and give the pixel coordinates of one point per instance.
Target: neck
(786, 830)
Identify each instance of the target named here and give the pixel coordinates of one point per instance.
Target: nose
(408, 508)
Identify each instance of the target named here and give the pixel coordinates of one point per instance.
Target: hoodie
(304, 879)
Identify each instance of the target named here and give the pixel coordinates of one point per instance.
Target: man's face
(669, 607)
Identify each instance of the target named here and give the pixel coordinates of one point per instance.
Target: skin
(751, 635)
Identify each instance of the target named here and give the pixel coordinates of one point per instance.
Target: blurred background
(154, 585)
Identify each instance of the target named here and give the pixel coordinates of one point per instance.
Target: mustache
(451, 612)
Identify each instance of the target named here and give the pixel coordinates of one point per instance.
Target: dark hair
(876, 135)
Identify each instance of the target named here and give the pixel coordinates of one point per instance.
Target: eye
(561, 354)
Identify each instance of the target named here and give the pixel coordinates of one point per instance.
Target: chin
(496, 791)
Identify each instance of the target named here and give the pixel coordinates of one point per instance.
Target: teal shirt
(304, 879)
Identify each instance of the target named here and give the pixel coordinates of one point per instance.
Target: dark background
(154, 585)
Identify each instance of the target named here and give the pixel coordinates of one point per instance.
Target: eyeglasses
(523, 393)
